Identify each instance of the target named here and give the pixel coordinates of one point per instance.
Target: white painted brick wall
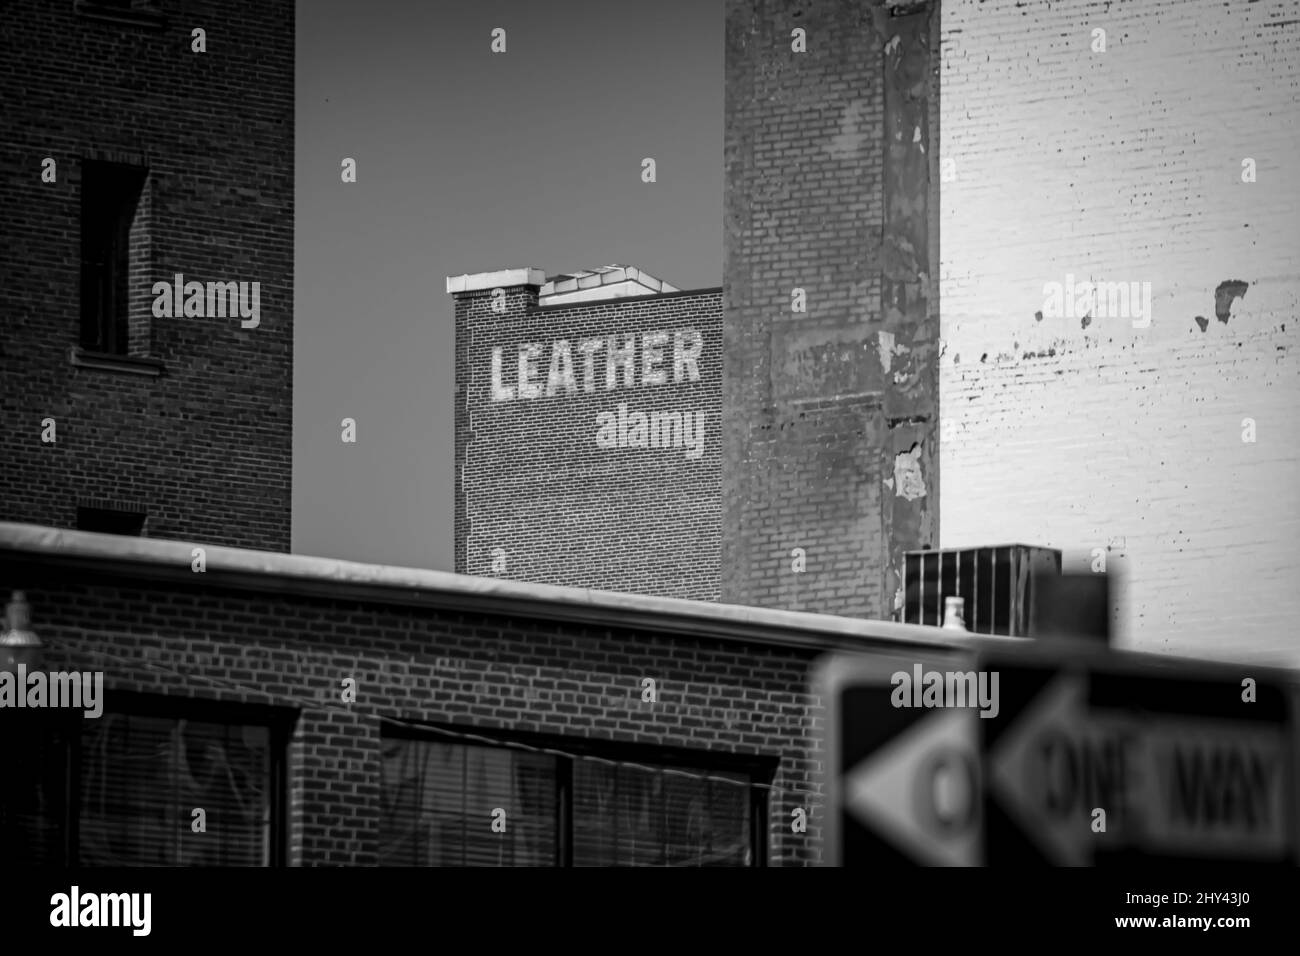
(1126, 166)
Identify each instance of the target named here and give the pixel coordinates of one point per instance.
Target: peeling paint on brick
(886, 346)
(1127, 430)
(909, 258)
(907, 474)
(1225, 294)
(849, 112)
(855, 130)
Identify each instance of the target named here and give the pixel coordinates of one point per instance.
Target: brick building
(1161, 443)
(269, 709)
(1121, 200)
(324, 712)
(826, 436)
(263, 708)
(130, 160)
(588, 438)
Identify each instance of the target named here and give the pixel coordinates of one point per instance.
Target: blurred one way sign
(1099, 757)
(901, 779)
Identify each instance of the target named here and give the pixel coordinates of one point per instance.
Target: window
(142, 777)
(439, 801)
(141, 13)
(635, 817)
(110, 521)
(440, 798)
(110, 194)
(121, 789)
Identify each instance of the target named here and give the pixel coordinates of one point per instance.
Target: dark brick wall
(472, 671)
(205, 447)
(818, 406)
(530, 478)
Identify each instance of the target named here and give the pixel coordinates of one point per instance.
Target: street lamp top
(17, 617)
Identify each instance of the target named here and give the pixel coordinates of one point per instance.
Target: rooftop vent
(995, 583)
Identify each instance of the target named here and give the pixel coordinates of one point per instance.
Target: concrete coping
(266, 571)
(501, 279)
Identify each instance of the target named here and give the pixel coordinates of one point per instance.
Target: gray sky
(470, 161)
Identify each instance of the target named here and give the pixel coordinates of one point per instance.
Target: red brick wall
(530, 478)
(470, 670)
(821, 408)
(206, 446)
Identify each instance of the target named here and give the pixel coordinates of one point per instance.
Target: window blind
(439, 799)
(627, 816)
(440, 803)
(143, 778)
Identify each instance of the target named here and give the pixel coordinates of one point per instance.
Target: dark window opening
(122, 789)
(109, 521)
(35, 796)
(440, 800)
(110, 195)
(142, 779)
